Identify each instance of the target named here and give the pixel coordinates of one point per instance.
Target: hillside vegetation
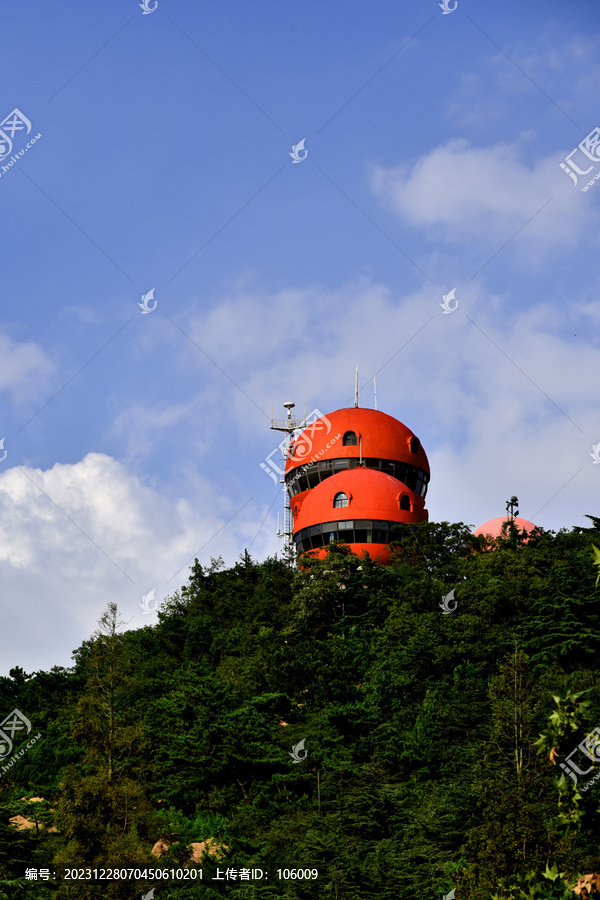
(420, 772)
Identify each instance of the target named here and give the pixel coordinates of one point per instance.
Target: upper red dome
(493, 528)
(377, 436)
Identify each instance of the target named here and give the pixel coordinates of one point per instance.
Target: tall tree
(509, 781)
(103, 811)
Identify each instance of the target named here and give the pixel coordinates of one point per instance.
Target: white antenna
(375, 390)
(290, 427)
(356, 387)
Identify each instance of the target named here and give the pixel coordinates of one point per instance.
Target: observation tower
(352, 475)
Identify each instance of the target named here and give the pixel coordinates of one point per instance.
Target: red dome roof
(493, 528)
(377, 436)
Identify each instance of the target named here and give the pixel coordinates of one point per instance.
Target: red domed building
(351, 476)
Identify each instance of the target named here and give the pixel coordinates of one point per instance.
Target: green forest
(430, 745)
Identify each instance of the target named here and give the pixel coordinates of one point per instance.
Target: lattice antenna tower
(291, 427)
(511, 507)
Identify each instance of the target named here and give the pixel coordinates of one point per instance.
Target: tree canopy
(427, 743)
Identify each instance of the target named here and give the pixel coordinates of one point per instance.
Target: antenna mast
(375, 389)
(356, 388)
(290, 428)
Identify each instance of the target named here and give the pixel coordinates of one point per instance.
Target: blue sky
(134, 441)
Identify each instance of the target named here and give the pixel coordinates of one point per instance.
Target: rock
(161, 847)
(588, 886)
(21, 822)
(211, 847)
(196, 848)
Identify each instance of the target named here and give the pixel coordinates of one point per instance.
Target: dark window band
(309, 476)
(353, 531)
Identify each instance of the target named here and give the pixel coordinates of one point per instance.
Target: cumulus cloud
(74, 537)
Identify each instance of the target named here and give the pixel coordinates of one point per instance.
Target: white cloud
(485, 194)
(142, 427)
(552, 79)
(24, 367)
(448, 370)
(74, 537)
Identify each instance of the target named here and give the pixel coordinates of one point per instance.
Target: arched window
(405, 502)
(414, 445)
(340, 499)
(350, 439)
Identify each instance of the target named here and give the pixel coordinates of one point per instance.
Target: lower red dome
(359, 506)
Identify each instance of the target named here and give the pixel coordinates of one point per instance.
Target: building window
(340, 499)
(348, 531)
(350, 439)
(405, 502)
(305, 477)
(414, 445)
(313, 476)
(411, 479)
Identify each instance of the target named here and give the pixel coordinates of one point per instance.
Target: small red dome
(493, 528)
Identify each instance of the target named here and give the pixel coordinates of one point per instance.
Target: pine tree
(103, 811)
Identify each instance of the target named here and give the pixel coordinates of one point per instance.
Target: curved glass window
(340, 499)
(305, 477)
(350, 439)
(410, 479)
(361, 531)
(313, 477)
